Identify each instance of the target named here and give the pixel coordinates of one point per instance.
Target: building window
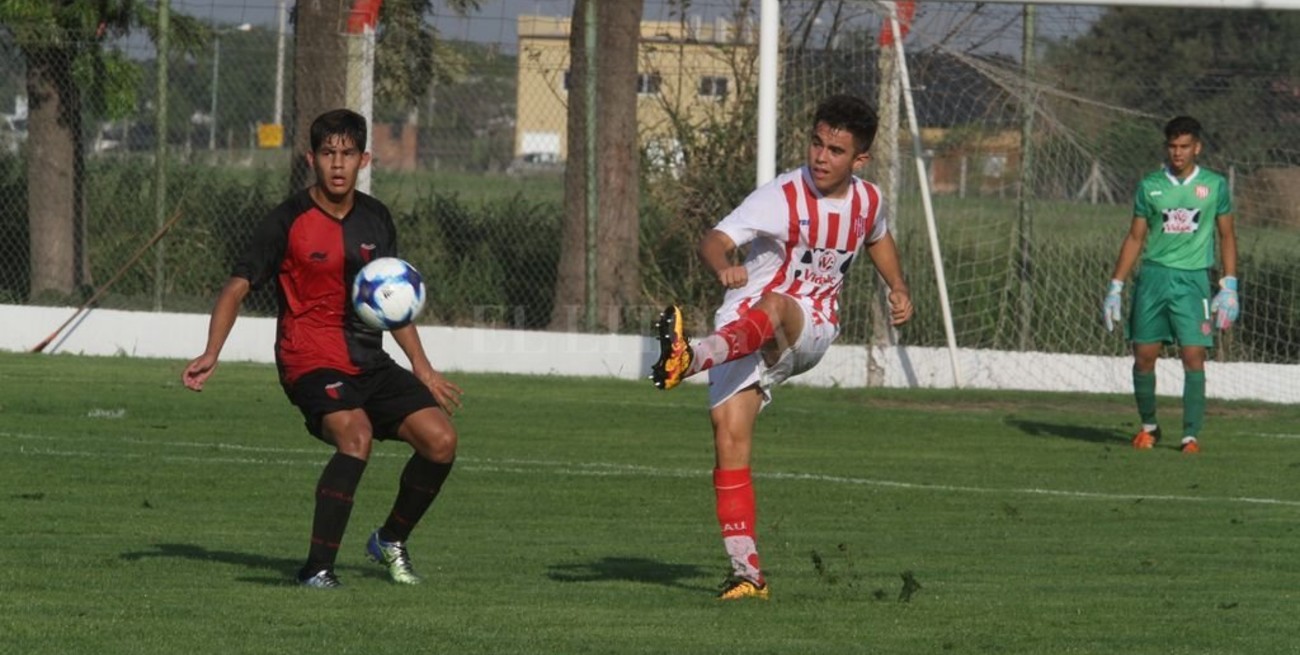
(713, 86)
(648, 83)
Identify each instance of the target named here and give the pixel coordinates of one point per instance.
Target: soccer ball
(388, 293)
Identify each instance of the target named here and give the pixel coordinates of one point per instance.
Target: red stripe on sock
(747, 333)
(734, 489)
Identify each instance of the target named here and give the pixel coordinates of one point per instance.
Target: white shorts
(730, 378)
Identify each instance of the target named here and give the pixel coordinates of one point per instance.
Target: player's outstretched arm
(884, 254)
(224, 313)
(444, 391)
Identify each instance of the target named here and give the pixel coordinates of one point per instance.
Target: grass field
(141, 518)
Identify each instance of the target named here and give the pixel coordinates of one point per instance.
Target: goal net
(1036, 122)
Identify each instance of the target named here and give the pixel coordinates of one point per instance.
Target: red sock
(734, 340)
(736, 515)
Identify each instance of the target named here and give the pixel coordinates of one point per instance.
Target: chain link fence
(1034, 134)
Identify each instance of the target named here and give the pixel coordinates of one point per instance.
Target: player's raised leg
(771, 324)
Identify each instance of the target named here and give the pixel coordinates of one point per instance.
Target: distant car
(531, 163)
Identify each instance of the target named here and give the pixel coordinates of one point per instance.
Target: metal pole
(1026, 176)
(769, 35)
(593, 205)
(160, 150)
(278, 112)
(216, 73)
(927, 204)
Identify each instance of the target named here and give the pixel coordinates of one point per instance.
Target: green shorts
(1171, 305)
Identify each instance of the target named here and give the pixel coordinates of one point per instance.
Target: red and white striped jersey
(801, 242)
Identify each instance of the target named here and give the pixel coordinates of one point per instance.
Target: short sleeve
(261, 257)
(764, 213)
(1225, 198)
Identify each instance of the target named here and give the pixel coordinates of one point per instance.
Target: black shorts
(387, 394)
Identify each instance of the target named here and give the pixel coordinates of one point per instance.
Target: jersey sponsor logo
(1156, 194)
(1181, 220)
(1202, 192)
(826, 261)
(318, 256)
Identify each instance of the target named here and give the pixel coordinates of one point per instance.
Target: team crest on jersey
(1202, 192)
(1181, 220)
(859, 228)
(367, 252)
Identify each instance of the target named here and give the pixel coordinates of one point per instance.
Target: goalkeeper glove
(1225, 306)
(1110, 307)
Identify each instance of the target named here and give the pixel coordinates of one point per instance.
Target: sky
(495, 20)
(484, 25)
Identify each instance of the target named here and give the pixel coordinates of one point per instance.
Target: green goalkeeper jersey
(1181, 217)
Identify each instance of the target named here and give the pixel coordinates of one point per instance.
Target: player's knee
(441, 447)
(432, 435)
(350, 432)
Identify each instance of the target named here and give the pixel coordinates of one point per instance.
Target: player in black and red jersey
(332, 366)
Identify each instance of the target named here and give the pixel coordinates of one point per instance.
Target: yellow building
(687, 68)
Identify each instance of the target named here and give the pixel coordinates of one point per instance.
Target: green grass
(141, 518)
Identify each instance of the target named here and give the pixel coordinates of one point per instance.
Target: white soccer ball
(388, 293)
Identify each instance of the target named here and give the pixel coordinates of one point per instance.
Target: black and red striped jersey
(313, 257)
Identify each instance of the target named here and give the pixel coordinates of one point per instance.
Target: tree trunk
(618, 275)
(53, 123)
(319, 74)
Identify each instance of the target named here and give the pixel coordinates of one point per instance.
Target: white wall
(182, 336)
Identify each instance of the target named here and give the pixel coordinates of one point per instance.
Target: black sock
(333, 508)
(421, 481)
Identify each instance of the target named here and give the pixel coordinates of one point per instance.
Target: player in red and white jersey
(780, 313)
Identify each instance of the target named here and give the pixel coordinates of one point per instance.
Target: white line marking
(586, 469)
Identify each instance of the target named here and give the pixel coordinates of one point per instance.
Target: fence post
(160, 151)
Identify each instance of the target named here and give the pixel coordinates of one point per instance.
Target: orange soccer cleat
(741, 588)
(675, 353)
(1146, 440)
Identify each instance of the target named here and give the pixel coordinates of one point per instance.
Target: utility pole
(277, 115)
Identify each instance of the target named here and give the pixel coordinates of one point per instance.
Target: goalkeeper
(1177, 213)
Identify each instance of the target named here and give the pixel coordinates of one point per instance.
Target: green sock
(1144, 392)
(1193, 402)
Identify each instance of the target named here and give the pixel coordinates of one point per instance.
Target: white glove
(1226, 306)
(1111, 307)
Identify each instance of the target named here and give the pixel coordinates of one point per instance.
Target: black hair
(339, 122)
(1180, 125)
(846, 112)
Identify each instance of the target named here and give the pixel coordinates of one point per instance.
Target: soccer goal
(1013, 136)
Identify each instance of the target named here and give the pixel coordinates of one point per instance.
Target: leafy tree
(1211, 64)
(68, 73)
